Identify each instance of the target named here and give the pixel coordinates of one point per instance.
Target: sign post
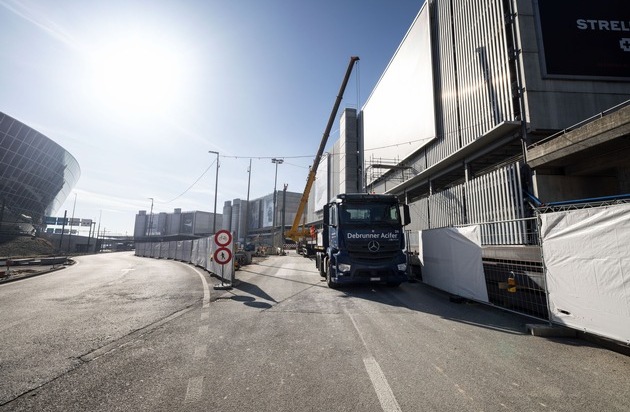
(223, 255)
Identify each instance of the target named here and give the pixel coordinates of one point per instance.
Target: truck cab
(362, 240)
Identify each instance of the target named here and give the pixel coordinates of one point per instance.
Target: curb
(30, 275)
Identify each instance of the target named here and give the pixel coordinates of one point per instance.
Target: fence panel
(514, 274)
(587, 261)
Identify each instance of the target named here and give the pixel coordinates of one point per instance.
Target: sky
(140, 92)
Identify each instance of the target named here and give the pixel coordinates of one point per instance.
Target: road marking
(201, 351)
(379, 381)
(203, 329)
(206, 290)
(194, 389)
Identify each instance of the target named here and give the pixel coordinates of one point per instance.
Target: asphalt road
(119, 332)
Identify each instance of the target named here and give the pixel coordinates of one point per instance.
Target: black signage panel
(585, 38)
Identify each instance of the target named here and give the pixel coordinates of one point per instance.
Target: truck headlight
(344, 267)
(402, 267)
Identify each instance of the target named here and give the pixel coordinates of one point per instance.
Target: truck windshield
(369, 214)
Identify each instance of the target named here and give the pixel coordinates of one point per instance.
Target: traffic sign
(222, 255)
(223, 237)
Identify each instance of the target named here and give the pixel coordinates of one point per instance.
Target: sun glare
(137, 76)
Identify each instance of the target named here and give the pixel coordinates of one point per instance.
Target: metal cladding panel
(419, 210)
(334, 166)
(475, 79)
(321, 183)
(398, 117)
(497, 197)
(349, 171)
(484, 81)
(446, 208)
(447, 127)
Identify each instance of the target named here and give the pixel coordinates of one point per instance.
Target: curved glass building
(36, 175)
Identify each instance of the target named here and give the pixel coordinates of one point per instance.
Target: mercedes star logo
(373, 246)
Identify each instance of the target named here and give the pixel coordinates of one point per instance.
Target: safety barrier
(571, 270)
(198, 252)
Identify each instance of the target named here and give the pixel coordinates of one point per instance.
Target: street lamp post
(275, 181)
(150, 225)
(216, 188)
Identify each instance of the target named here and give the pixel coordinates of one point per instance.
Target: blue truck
(362, 240)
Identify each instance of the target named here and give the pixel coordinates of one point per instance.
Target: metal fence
(514, 272)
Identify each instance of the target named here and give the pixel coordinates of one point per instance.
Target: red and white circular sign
(223, 237)
(222, 255)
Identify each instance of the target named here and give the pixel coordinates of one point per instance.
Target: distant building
(176, 225)
(256, 221)
(36, 176)
(253, 222)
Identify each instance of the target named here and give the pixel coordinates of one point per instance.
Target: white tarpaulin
(587, 256)
(452, 261)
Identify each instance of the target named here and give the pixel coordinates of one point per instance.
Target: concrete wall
(558, 188)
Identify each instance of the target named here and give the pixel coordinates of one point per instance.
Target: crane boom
(293, 232)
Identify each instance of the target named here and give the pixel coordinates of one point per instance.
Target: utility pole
(72, 222)
(249, 179)
(216, 188)
(96, 244)
(148, 231)
(63, 228)
(90, 234)
(284, 210)
(273, 224)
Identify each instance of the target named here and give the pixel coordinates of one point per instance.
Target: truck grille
(360, 249)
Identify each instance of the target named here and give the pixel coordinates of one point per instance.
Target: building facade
(492, 96)
(36, 176)
(472, 85)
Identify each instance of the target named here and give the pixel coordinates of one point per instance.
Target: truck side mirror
(406, 215)
(326, 215)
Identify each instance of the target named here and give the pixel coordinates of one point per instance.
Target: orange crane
(294, 233)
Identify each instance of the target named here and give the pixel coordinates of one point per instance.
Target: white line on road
(194, 389)
(201, 351)
(379, 381)
(383, 390)
(206, 290)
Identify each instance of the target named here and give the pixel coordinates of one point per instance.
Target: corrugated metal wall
(473, 73)
(496, 196)
(446, 208)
